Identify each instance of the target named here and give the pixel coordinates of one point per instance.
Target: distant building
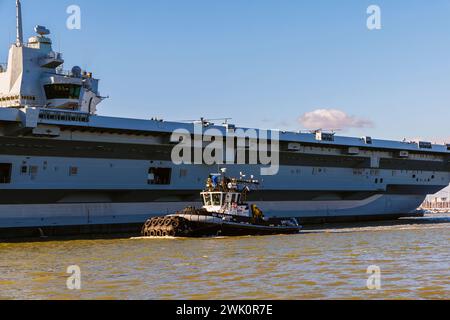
(436, 203)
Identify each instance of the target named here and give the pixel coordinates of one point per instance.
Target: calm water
(414, 257)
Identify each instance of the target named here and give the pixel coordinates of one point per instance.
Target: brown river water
(329, 262)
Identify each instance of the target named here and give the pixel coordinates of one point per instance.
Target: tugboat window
(159, 176)
(62, 91)
(5, 173)
(216, 199)
(207, 199)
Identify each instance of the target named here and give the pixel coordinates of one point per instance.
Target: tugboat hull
(183, 225)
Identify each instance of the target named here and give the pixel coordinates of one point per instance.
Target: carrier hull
(87, 219)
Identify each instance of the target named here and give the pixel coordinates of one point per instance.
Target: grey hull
(107, 218)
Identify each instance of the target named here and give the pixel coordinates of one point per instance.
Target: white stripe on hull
(119, 213)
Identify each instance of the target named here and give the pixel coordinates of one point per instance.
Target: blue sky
(263, 63)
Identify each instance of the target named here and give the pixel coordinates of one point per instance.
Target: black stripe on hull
(127, 230)
(124, 151)
(414, 165)
(39, 196)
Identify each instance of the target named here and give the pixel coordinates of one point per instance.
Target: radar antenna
(225, 120)
(41, 30)
(325, 130)
(19, 39)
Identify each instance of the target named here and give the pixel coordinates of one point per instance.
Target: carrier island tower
(66, 170)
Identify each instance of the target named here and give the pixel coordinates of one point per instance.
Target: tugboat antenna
(19, 30)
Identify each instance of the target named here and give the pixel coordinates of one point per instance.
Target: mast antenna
(19, 40)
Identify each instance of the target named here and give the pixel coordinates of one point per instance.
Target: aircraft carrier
(66, 170)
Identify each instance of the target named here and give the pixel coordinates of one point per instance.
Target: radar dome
(76, 72)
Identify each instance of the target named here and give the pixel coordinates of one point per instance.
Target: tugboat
(225, 212)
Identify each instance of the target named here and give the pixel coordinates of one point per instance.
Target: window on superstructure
(62, 91)
(5, 173)
(159, 176)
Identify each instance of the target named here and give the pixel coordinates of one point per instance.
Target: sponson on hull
(66, 170)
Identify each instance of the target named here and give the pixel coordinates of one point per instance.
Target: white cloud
(332, 119)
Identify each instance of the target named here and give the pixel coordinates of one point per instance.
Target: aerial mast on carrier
(19, 30)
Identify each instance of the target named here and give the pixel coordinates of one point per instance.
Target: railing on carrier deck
(63, 115)
(63, 72)
(20, 100)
